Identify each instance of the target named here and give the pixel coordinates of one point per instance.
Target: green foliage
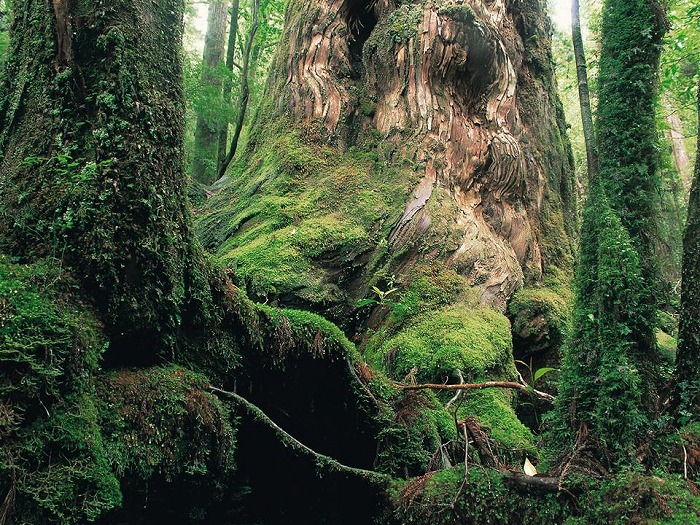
(473, 340)
(53, 457)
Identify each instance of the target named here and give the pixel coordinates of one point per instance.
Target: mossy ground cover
(296, 215)
(53, 468)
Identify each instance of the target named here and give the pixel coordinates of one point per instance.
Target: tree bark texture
(91, 177)
(465, 93)
(206, 135)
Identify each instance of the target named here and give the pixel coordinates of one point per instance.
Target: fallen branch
(324, 464)
(479, 386)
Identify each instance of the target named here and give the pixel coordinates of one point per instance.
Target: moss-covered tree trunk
(687, 374)
(453, 149)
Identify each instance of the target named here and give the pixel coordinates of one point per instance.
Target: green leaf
(542, 371)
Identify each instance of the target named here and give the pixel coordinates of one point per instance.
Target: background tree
(687, 373)
(209, 125)
(607, 393)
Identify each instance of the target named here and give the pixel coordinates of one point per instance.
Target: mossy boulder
(168, 439)
(438, 345)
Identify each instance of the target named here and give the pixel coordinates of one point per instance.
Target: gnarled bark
(464, 93)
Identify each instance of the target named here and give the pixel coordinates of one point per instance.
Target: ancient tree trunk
(91, 159)
(457, 98)
(687, 374)
(206, 135)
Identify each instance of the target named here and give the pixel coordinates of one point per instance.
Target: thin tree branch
(479, 386)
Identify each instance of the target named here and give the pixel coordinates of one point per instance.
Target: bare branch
(479, 386)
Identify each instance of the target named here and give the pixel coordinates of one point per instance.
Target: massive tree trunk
(454, 125)
(206, 135)
(104, 275)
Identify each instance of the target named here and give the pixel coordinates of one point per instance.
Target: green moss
(640, 498)
(430, 288)
(161, 423)
(667, 347)
(444, 498)
(494, 410)
(541, 316)
(294, 217)
(474, 340)
(50, 346)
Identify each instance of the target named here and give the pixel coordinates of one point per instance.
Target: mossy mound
(475, 341)
(170, 441)
(485, 497)
(541, 316)
(640, 498)
(445, 498)
(54, 467)
(296, 221)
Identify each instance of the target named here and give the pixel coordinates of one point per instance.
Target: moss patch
(295, 218)
(50, 346)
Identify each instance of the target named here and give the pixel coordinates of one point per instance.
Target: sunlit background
(560, 11)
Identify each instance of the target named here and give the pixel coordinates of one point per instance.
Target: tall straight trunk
(206, 136)
(244, 94)
(584, 94)
(687, 373)
(230, 59)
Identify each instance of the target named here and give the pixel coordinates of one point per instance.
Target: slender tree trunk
(245, 92)
(230, 59)
(678, 149)
(584, 95)
(687, 374)
(208, 126)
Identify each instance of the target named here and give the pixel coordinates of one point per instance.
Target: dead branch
(478, 386)
(324, 463)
